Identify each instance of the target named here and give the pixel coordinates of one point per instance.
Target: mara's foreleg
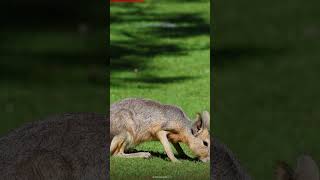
(162, 136)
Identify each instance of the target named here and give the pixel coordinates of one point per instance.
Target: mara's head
(200, 141)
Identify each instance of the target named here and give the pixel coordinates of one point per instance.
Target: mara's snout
(206, 159)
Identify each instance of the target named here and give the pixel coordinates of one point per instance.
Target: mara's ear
(306, 168)
(202, 122)
(283, 171)
(205, 119)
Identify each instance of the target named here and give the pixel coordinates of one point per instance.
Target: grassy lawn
(267, 81)
(160, 50)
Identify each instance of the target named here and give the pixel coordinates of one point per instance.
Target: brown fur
(176, 137)
(134, 121)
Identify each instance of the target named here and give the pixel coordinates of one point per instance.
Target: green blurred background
(52, 60)
(266, 81)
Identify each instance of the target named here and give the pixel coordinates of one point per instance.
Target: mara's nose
(205, 159)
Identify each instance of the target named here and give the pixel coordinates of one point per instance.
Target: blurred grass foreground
(52, 60)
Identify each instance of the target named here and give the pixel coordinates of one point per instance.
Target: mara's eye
(205, 143)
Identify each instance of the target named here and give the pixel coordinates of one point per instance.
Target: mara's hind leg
(135, 155)
(116, 144)
(120, 143)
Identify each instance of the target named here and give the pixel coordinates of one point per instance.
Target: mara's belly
(148, 133)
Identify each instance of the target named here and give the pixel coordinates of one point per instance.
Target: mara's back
(143, 117)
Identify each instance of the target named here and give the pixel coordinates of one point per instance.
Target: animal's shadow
(164, 156)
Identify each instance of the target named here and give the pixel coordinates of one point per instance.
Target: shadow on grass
(143, 48)
(136, 53)
(164, 156)
(147, 82)
(143, 41)
(156, 80)
(159, 25)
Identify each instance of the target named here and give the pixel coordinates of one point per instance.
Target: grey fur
(143, 113)
(225, 165)
(69, 146)
(306, 169)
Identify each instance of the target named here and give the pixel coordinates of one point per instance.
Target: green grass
(167, 64)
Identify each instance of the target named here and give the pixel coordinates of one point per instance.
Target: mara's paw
(147, 155)
(176, 161)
